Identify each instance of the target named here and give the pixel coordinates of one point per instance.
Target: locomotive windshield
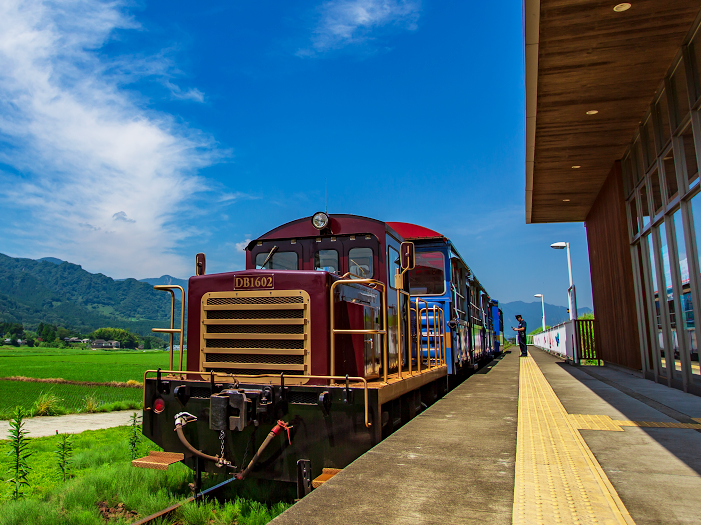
(428, 275)
(326, 260)
(360, 263)
(278, 261)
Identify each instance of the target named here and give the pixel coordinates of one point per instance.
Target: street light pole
(542, 303)
(571, 294)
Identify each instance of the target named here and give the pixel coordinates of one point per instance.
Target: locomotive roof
(414, 231)
(339, 223)
(348, 224)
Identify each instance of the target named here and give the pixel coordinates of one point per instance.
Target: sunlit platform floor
(528, 441)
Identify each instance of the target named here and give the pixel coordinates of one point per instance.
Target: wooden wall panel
(612, 275)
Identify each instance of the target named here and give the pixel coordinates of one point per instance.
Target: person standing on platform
(521, 329)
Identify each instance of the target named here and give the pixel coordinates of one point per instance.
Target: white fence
(558, 340)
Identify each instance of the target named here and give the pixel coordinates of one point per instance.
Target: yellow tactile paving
(588, 422)
(558, 479)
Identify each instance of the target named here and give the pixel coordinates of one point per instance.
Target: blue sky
(135, 134)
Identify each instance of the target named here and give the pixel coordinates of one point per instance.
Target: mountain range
(532, 313)
(53, 291)
(58, 292)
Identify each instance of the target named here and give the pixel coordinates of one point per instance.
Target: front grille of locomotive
(256, 332)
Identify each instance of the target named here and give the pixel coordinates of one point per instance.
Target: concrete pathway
(457, 462)
(656, 471)
(452, 464)
(71, 424)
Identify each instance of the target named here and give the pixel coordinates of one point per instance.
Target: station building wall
(613, 293)
(659, 181)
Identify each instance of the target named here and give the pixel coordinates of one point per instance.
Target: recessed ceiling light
(576, 167)
(565, 200)
(622, 7)
(592, 112)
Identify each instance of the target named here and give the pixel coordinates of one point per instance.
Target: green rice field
(72, 398)
(75, 364)
(81, 365)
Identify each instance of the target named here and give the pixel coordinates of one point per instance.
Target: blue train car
(441, 277)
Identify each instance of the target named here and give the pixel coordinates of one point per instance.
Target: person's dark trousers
(524, 351)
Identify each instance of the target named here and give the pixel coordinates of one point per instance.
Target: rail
(347, 379)
(172, 330)
(371, 283)
(160, 515)
(585, 341)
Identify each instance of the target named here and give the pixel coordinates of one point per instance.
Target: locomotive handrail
(399, 331)
(172, 330)
(441, 314)
(439, 337)
(368, 424)
(420, 334)
(371, 283)
(428, 339)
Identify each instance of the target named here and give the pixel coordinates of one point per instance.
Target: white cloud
(101, 176)
(121, 216)
(240, 246)
(351, 22)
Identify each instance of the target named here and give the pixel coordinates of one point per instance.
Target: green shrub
(134, 435)
(19, 454)
(91, 404)
(48, 404)
(64, 455)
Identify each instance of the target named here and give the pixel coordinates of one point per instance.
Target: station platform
(528, 441)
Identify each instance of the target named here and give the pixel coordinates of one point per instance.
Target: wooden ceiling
(592, 58)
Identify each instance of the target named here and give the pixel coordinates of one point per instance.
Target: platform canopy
(583, 56)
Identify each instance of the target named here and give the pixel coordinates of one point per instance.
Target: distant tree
(62, 333)
(147, 344)
(48, 333)
(126, 339)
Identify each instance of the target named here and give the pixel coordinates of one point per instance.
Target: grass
(77, 364)
(71, 398)
(103, 473)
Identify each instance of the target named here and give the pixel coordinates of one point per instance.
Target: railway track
(170, 510)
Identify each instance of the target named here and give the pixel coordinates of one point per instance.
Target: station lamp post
(542, 302)
(571, 295)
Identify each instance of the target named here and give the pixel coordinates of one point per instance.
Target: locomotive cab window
(428, 275)
(394, 265)
(326, 260)
(360, 263)
(278, 261)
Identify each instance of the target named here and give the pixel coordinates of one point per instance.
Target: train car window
(360, 263)
(428, 276)
(279, 261)
(394, 265)
(326, 260)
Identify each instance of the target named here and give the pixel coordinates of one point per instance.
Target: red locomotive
(319, 339)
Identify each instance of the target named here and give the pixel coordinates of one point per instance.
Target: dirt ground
(71, 423)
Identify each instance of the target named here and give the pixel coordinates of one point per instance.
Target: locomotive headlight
(320, 220)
